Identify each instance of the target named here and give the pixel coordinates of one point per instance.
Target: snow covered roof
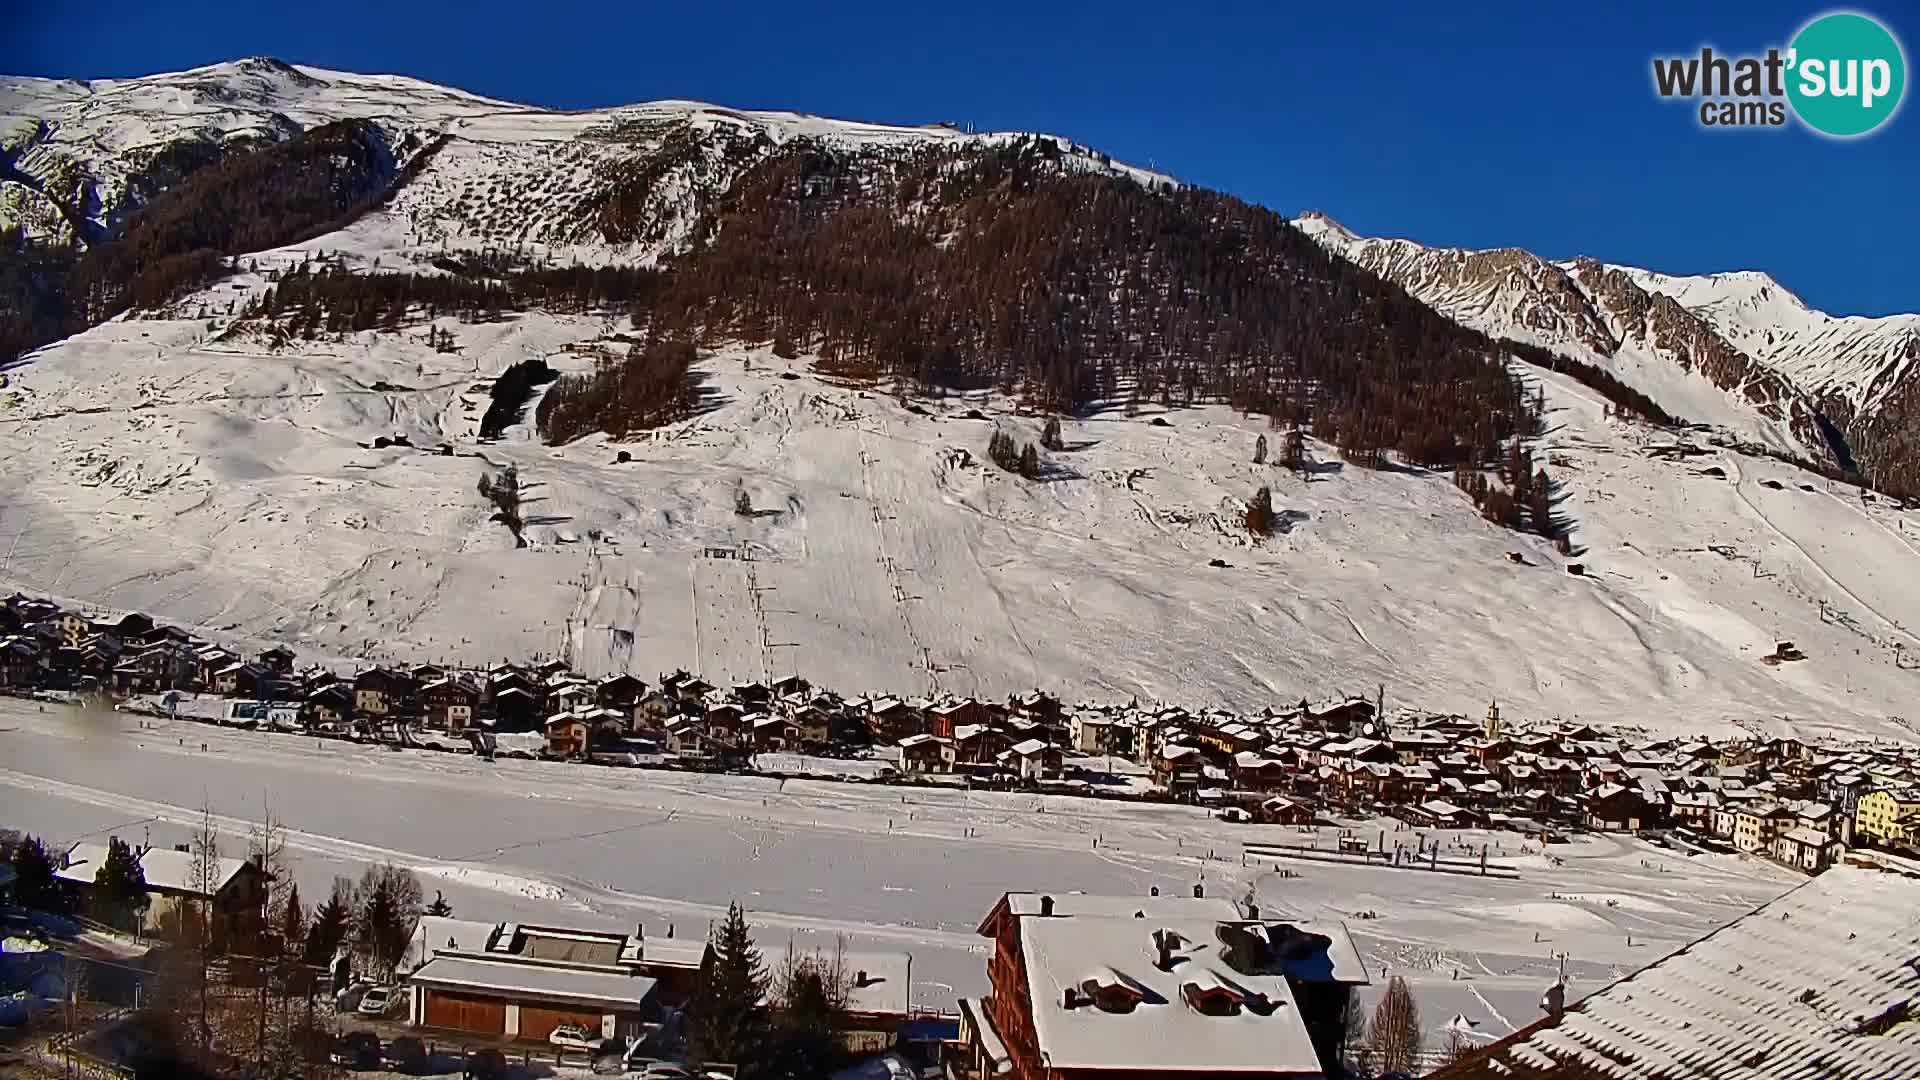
(884, 990)
(437, 934)
(1069, 904)
(1163, 1030)
(164, 868)
(1823, 981)
(535, 981)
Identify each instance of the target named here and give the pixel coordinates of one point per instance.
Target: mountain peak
(1320, 226)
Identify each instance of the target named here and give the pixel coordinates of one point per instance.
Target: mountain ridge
(1791, 377)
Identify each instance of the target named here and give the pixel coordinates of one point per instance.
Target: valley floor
(887, 869)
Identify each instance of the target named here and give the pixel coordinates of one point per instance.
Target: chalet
(209, 661)
(1179, 768)
(1284, 811)
(977, 744)
(568, 735)
(1034, 760)
(329, 706)
(1618, 808)
(450, 704)
(770, 732)
(382, 692)
(926, 754)
(948, 716)
(1341, 716)
(791, 686)
(514, 708)
(237, 889)
(156, 667)
(1258, 772)
(813, 727)
(891, 720)
(621, 693)
(1083, 988)
(278, 659)
(21, 662)
(256, 681)
(753, 695)
(569, 696)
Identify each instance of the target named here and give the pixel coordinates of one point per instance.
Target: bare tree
(1394, 1032)
(1353, 1034)
(198, 917)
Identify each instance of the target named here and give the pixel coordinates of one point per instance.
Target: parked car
(347, 999)
(487, 1064)
(357, 1050)
(378, 1001)
(574, 1037)
(407, 1054)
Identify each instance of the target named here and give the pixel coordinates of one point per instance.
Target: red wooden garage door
(536, 1022)
(458, 1012)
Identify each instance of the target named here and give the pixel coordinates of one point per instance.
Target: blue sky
(1499, 123)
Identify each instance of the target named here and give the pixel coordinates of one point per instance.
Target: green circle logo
(1847, 74)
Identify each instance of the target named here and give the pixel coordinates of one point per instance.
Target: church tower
(1493, 721)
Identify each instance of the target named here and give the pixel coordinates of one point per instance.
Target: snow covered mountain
(1736, 351)
(204, 462)
(76, 157)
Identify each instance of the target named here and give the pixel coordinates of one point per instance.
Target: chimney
(669, 930)
(639, 931)
(1163, 949)
(859, 979)
(1046, 907)
(1155, 891)
(1069, 998)
(1199, 890)
(1253, 911)
(182, 847)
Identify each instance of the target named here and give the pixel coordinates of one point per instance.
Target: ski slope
(153, 464)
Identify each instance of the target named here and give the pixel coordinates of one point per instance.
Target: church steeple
(1493, 721)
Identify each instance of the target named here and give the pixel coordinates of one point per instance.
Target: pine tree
(726, 1021)
(35, 884)
(120, 887)
(293, 922)
(1029, 462)
(1260, 513)
(332, 922)
(1394, 1032)
(1260, 450)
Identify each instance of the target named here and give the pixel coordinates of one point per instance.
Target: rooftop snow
(535, 981)
(164, 868)
(1164, 1031)
(1822, 982)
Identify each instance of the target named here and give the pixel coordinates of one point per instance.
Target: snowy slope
(143, 465)
(1861, 360)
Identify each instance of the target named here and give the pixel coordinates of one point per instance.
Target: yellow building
(1886, 816)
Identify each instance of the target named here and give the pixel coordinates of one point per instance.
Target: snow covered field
(890, 869)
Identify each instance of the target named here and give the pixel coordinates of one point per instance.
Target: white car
(378, 1000)
(573, 1037)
